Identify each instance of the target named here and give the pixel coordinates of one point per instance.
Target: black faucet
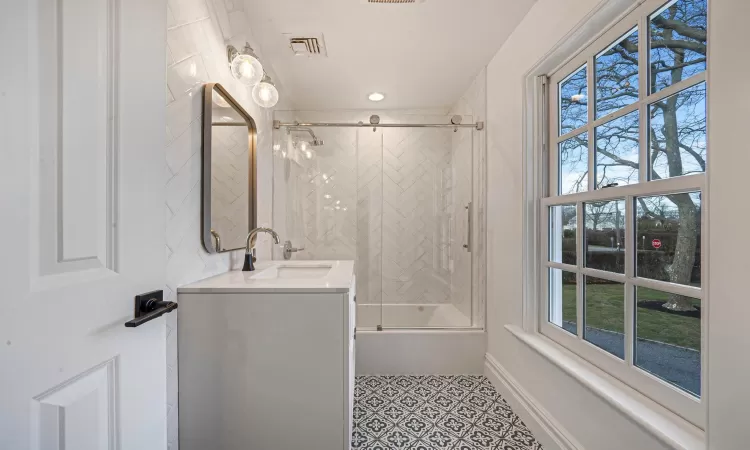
(249, 265)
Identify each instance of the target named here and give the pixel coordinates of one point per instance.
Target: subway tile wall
(197, 33)
(393, 199)
(473, 103)
(230, 177)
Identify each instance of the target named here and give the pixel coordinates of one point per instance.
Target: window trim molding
(535, 140)
(606, 18)
(668, 428)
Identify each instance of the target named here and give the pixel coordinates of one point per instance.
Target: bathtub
(418, 339)
(411, 316)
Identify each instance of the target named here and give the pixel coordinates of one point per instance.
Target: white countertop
(338, 279)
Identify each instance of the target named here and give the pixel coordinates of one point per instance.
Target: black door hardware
(148, 307)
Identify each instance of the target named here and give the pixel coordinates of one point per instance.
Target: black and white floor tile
(435, 412)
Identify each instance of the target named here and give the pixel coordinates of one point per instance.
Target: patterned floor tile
(395, 412)
(375, 425)
(397, 438)
(435, 412)
(430, 413)
(440, 439)
(494, 424)
(415, 425)
(360, 439)
(420, 445)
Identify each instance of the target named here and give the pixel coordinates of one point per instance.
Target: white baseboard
(545, 428)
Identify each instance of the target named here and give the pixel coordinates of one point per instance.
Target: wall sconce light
(265, 93)
(245, 65)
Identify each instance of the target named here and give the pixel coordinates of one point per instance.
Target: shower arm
(308, 130)
(277, 124)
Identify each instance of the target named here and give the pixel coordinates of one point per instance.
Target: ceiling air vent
(307, 44)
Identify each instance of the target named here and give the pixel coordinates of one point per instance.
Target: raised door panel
(75, 176)
(78, 414)
(69, 278)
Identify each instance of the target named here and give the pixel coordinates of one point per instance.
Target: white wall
(473, 104)
(728, 162)
(408, 185)
(593, 422)
(196, 54)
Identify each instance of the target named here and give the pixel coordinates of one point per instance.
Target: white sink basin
(294, 272)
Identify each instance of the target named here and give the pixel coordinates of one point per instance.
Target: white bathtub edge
(420, 352)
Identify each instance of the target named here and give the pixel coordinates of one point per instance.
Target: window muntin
(617, 75)
(668, 345)
(605, 235)
(563, 227)
(564, 314)
(678, 42)
(573, 101)
(617, 151)
(668, 236)
(677, 137)
(574, 164)
(604, 315)
(653, 147)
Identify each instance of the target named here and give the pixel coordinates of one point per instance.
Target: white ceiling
(420, 55)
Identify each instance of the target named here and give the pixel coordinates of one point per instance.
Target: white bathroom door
(81, 223)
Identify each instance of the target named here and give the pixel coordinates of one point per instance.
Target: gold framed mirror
(229, 187)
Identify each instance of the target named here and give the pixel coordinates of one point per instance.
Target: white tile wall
(196, 54)
(460, 280)
(404, 191)
(474, 104)
(230, 202)
(418, 201)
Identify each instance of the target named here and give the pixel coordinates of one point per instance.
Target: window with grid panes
(622, 259)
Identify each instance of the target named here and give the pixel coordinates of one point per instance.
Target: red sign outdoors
(656, 243)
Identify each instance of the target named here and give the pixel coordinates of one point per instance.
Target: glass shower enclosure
(404, 203)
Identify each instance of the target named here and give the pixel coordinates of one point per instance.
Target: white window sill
(663, 424)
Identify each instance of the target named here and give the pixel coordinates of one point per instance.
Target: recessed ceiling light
(376, 97)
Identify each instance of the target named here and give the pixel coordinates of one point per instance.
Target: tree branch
(681, 27)
(672, 44)
(694, 154)
(617, 159)
(666, 68)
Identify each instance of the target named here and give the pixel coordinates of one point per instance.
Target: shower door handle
(467, 245)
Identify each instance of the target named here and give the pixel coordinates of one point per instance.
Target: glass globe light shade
(265, 94)
(247, 69)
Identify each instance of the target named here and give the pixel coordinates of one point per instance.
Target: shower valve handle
(288, 250)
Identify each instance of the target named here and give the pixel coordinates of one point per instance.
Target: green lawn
(605, 310)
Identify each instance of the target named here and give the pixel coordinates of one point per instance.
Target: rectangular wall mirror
(229, 172)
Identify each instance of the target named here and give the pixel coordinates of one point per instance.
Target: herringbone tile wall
(418, 203)
(196, 54)
(391, 199)
(230, 196)
(474, 103)
(460, 281)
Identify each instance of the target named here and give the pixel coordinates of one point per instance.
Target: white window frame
(542, 183)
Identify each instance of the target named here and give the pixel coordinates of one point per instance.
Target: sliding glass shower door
(426, 259)
(398, 201)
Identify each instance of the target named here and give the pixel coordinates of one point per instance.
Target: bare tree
(602, 215)
(677, 124)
